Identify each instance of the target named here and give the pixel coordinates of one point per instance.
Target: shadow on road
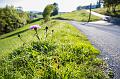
(113, 20)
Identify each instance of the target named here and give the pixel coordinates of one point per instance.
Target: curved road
(106, 37)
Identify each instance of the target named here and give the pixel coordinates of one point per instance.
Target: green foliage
(43, 47)
(110, 13)
(10, 19)
(47, 12)
(55, 11)
(67, 54)
(10, 41)
(111, 4)
(50, 10)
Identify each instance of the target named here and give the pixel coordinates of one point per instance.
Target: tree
(107, 3)
(50, 10)
(11, 19)
(79, 7)
(47, 12)
(114, 4)
(98, 4)
(55, 11)
(111, 5)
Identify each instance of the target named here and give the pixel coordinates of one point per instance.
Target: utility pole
(90, 12)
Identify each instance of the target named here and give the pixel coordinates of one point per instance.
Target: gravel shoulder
(106, 37)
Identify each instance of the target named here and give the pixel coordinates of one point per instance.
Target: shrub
(11, 19)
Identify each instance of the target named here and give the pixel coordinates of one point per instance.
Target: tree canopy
(55, 11)
(50, 10)
(11, 19)
(111, 4)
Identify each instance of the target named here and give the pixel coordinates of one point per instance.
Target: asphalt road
(106, 37)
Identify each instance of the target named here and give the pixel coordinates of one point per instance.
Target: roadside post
(90, 12)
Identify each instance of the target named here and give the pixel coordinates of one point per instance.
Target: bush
(11, 19)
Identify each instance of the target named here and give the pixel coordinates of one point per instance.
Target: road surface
(106, 37)
(110, 19)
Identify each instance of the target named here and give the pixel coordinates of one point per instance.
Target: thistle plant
(21, 39)
(52, 32)
(35, 28)
(46, 30)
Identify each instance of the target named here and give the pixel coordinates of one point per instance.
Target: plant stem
(37, 35)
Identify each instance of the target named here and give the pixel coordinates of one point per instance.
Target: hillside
(80, 15)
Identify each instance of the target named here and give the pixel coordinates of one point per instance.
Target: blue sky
(39, 5)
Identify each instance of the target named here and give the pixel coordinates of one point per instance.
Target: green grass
(104, 11)
(65, 54)
(81, 16)
(11, 41)
(100, 10)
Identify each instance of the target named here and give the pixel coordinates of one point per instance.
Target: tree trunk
(108, 9)
(114, 8)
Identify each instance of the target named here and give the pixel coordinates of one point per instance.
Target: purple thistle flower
(35, 27)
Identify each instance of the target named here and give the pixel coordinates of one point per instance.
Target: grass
(10, 41)
(100, 10)
(65, 54)
(104, 11)
(81, 16)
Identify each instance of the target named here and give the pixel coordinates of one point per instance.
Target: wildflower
(52, 32)
(19, 36)
(35, 27)
(46, 29)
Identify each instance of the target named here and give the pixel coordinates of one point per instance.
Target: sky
(39, 5)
